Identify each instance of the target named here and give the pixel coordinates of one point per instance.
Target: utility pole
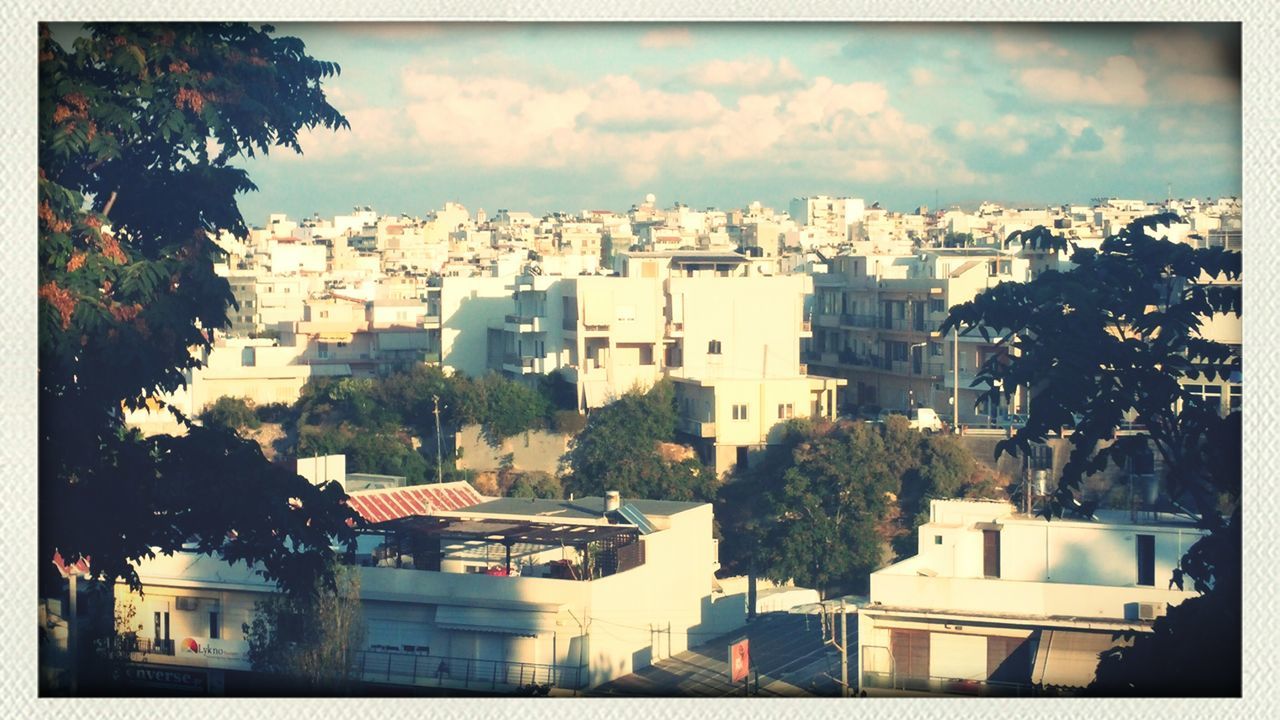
(955, 386)
(844, 650)
(439, 446)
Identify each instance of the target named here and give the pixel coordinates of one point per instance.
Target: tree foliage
(619, 450)
(230, 412)
(825, 503)
(137, 127)
(1111, 340)
(311, 638)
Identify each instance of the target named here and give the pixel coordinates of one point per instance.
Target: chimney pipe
(612, 501)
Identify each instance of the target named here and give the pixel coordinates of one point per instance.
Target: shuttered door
(991, 553)
(910, 653)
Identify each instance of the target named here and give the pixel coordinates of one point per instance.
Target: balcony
(696, 428)
(522, 324)
(516, 364)
(858, 320)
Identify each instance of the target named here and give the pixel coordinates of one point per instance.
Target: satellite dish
(650, 198)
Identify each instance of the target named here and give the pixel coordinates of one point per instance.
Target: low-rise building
(1000, 602)
(462, 591)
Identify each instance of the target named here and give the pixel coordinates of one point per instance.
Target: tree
(835, 496)
(826, 490)
(536, 485)
(312, 638)
(1110, 340)
(230, 412)
(619, 450)
(138, 125)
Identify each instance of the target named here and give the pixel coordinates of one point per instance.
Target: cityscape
(361, 378)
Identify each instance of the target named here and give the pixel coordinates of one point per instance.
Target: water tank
(612, 501)
(1040, 483)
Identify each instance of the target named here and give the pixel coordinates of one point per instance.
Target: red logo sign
(739, 660)
(190, 645)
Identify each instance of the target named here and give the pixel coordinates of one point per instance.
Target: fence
(469, 673)
(945, 685)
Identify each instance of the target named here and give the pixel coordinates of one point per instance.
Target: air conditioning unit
(1151, 610)
(188, 603)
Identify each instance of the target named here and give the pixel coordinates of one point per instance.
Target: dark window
(742, 458)
(937, 539)
(1146, 559)
(713, 347)
(215, 629)
(991, 553)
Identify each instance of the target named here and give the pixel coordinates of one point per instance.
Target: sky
(546, 117)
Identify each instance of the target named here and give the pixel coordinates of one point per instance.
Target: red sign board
(739, 660)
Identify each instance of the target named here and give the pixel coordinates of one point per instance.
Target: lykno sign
(233, 654)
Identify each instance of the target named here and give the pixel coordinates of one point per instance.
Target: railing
(422, 669)
(857, 320)
(145, 646)
(945, 685)
(517, 360)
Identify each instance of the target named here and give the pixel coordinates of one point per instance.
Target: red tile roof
(378, 506)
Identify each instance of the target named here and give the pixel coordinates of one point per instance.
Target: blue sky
(545, 117)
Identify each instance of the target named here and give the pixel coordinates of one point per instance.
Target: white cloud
(635, 131)
(922, 77)
(1201, 89)
(744, 73)
(1012, 49)
(668, 37)
(1181, 47)
(1120, 81)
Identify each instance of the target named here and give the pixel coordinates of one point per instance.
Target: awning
(1069, 659)
(506, 622)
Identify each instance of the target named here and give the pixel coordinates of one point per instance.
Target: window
(1146, 559)
(937, 539)
(323, 351)
(215, 629)
(991, 553)
(937, 305)
(935, 349)
(785, 410)
(713, 347)
(739, 412)
(324, 313)
(1210, 395)
(1234, 398)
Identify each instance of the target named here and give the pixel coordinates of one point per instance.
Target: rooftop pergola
(509, 532)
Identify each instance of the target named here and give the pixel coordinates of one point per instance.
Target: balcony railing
(945, 686)
(433, 670)
(858, 320)
(145, 646)
(697, 428)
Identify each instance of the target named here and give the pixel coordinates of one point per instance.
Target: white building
(1000, 602)
(502, 592)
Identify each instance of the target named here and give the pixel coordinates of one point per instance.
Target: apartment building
(997, 602)
(465, 592)
(876, 320)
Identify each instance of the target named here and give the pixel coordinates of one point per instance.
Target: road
(788, 659)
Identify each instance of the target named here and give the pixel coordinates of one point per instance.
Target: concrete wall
(535, 450)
